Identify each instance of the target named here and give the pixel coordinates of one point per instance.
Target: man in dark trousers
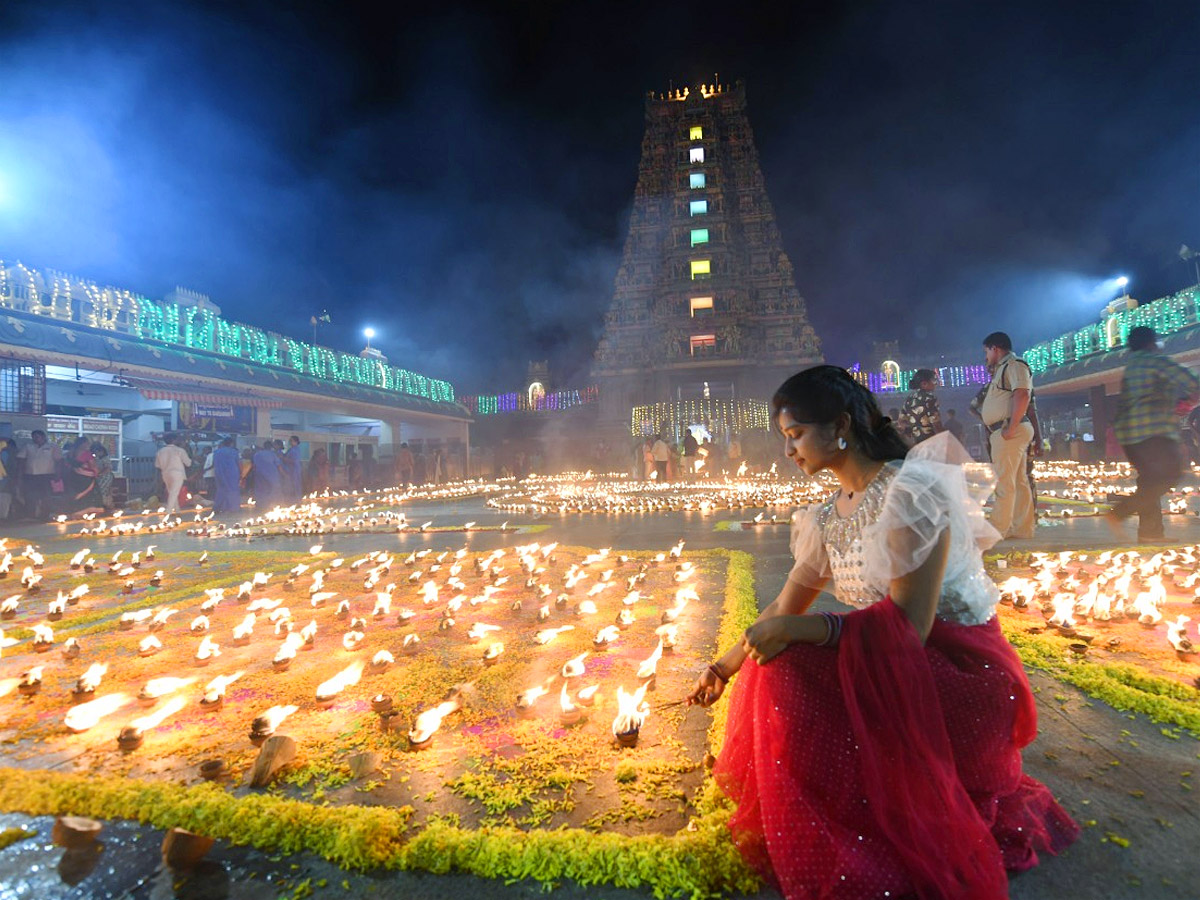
(1147, 427)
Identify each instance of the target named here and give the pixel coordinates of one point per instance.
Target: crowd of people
(42, 479)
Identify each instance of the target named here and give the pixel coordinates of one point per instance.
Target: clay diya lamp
(129, 739)
(212, 701)
(388, 721)
(71, 649)
(281, 665)
(212, 769)
(381, 703)
(74, 832)
(27, 686)
(628, 738)
(492, 654)
(261, 729)
(42, 646)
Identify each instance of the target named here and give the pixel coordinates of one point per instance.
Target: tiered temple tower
(705, 320)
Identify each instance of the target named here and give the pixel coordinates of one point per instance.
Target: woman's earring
(842, 445)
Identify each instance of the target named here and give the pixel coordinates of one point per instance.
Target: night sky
(460, 178)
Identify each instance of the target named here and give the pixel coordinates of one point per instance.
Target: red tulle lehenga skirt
(884, 768)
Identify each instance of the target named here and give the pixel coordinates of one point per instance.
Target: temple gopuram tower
(705, 320)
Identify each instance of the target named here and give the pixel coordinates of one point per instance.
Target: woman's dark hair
(922, 375)
(819, 395)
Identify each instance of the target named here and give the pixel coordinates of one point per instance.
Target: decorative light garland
(519, 401)
(717, 414)
(197, 328)
(1166, 315)
(950, 376)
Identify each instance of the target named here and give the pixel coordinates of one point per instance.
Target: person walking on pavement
(1148, 430)
(1004, 413)
(172, 462)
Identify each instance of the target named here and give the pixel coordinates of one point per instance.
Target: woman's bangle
(718, 672)
(833, 624)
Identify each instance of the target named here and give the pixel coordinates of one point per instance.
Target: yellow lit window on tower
(699, 207)
(696, 155)
(701, 268)
(699, 236)
(701, 305)
(696, 180)
(703, 344)
(696, 133)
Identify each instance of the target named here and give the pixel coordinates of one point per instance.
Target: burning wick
(573, 667)
(569, 713)
(327, 691)
(526, 699)
(131, 736)
(492, 653)
(631, 715)
(81, 718)
(264, 726)
(429, 722)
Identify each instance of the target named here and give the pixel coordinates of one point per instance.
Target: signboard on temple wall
(222, 418)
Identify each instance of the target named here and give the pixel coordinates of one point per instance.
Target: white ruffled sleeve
(938, 486)
(811, 568)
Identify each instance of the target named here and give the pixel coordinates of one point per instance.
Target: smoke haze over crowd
(460, 178)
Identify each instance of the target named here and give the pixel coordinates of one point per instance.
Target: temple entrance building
(706, 320)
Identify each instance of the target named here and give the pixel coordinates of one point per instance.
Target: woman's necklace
(850, 494)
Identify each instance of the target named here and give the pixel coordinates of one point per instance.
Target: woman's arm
(917, 592)
(793, 600)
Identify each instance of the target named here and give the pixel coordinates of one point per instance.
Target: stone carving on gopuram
(705, 305)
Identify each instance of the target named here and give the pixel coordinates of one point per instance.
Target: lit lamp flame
(90, 680)
(606, 636)
(86, 715)
(291, 644)
(160, 687)
(668, 634)
(527, 698)
(217, 687)
(546, 635)
(430, 721)
(650, 663)
(350, 675)
(1177, 635)
(149, 644)
(587, 696)
(1064, 607)
(564, 702)
(273, 718)
(573, 667)
(145, 723)
(208, 649)
(631, 710)
(243, 631)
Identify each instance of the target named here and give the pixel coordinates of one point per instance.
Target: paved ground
(1117, 771)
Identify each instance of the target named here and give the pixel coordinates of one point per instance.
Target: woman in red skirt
(877, 753)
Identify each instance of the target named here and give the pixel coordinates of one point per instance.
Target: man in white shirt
(41, 466)
(172, 461)
(661, 451)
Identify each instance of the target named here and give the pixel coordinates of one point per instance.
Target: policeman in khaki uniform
(1005, 414)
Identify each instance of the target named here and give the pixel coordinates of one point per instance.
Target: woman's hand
(707, 691)
(767, 638)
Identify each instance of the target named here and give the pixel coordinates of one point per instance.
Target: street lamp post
(369, 333)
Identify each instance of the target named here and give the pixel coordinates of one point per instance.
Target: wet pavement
(1119, 774)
